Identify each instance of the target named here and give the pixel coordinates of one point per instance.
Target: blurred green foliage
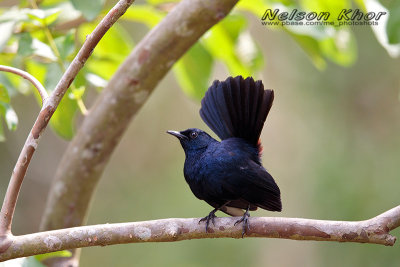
(35, 261)
(42, 37)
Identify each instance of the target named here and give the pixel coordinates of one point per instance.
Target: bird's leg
(211, 216)
(245, 220)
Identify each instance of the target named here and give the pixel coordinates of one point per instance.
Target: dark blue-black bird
(228, 175)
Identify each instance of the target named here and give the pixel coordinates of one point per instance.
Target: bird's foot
(210, 217)
(245, 220)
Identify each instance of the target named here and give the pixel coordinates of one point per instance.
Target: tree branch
(374, 231)
(49, 106)
(27, 76)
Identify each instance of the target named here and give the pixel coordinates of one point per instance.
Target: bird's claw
(245, 220)
(210, 217)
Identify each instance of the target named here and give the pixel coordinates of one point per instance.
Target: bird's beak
(177, 134)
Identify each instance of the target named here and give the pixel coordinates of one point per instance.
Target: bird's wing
(253, 185)
(237, 107)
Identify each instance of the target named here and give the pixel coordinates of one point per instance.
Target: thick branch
(375, 231)
(27, 76)
(49, 106)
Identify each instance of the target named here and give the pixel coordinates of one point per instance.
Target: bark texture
(375, 231)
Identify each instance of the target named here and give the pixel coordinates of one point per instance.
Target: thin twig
(374, 231)
(44, 116)
(27, 76)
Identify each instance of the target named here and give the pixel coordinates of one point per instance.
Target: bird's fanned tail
(237, 107)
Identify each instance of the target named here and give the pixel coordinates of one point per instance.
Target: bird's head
(192, 139)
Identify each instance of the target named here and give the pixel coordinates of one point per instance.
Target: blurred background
(331, 141)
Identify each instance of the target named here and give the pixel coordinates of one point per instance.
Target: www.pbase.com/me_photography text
(346, 17)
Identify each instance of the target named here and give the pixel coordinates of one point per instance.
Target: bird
(228, 174)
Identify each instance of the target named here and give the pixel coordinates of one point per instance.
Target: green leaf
(89, 8)
(80, 79)
(51, 18)
(44, 17)
(145, 14)
(257, 7)
(56, 254)
(341, 48)
(62, 121)
(37, 14)
(37, 70)
(52, 76)
(336, 44)
(315, 32)
(68, 13)
(393, 23)
(4, 97)
(102, 67)
(3, 108)
(360, 4)
(6, 112)
(311, 47)
(221, 42)
(7, 80)
(25, 45)
(77, 93)
(65, 45)
(6, 29)
(230, 43)
(49, 3)
(193, 71)
(234, 25)
(115, 45)
(110, 52)
(334, 7)
(320, 42)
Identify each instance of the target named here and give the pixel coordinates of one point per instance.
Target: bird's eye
(193, 135)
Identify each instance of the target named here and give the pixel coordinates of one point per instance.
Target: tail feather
(237, 107)
(212, 118)
(265, 107)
